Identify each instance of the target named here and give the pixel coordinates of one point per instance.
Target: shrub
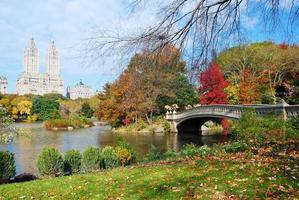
(256, 130)
(72, 161)
(166, 127)
(7, 165)
(235, 147)
(74, 121)
(192, 150)
(50, 162)
(156, 154)
(125, 153)
(91, 159)
(204, 151)
(6, 132)
(249, 128)
(141, 124)
(292, 128)
(124, 156)
(189, 150)
(110, 158)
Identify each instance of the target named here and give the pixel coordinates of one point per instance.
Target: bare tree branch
(195, 26)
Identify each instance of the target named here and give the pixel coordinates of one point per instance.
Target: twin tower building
(31, 81)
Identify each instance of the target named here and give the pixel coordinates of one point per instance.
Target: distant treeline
(49, 106)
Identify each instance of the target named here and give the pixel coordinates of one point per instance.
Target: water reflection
(27, 148)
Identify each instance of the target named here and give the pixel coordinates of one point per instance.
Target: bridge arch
(192, 124)
(206, 116)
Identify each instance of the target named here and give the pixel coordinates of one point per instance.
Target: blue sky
(68, 23)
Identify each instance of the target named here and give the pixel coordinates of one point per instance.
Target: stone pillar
(285, 114)
(173, 127)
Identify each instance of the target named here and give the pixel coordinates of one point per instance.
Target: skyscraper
(52, 61)
(31, 81)
(31, 58)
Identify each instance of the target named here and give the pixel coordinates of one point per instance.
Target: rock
(55, 129)
(86, 126)
(159, 129)
(70, 128)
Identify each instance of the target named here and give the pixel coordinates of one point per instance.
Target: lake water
(27, 148)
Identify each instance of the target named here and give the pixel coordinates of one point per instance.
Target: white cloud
(67, 22)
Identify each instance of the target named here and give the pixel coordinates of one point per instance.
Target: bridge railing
(292, 110)
(234, 111)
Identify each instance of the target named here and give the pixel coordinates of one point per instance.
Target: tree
(140, 91)
(196, 26)
(54, 96)
(184, 94)
(109, 109)
(269, 66)
(232, 92)
(70, 107)
(6, 133)
(94, 102)
(86, 110)
(45, 107)
(212, 85)
(248, 88)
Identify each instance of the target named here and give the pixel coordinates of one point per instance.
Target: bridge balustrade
(234, 111)
(228, 111)
(292, 111)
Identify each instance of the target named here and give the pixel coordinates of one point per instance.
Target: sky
(69, 23)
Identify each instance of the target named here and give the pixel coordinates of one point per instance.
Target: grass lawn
(229, 176)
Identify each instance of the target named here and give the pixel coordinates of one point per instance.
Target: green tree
(183, 94)
(45, 107)
(54, 96)
(86, 110)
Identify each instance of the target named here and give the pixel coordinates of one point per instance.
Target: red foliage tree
(212, 86)
(283, 45)
(212, 89)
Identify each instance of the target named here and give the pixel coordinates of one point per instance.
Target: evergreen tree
(86, 110)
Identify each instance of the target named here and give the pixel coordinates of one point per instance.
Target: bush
(7, 165)
(156, 154)
(166, 127)
(249, 128)
(192, 150)
(256, 130)
(124, 156)
(50, 162)
(125, 153)
(72, 161)
(110, 158)
(204, 151)
(293, 128)
(189, 150)
(235, 147)
(267, 99)
(92, 159)
(74, 121)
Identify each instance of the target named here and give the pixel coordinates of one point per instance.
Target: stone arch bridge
(191, 120)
